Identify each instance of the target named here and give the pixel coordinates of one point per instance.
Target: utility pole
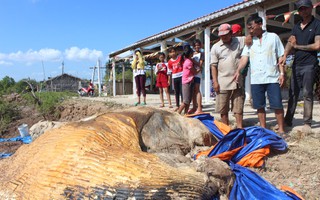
(62, 67)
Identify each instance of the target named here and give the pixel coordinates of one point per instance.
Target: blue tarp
(248, 184)
(234, 139)
(25, 140)
(257, 138)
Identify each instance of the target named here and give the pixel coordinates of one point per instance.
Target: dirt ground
(298, 168)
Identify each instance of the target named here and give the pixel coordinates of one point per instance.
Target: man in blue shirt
(305, 40)
(266, 75)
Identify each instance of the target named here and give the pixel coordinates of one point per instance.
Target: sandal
(143, 103)
(161, 106)
(170, 106)
(136, 104)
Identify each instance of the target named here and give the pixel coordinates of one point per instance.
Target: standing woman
(187, 78)
(139, 76)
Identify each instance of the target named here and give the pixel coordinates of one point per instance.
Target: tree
(6, 84)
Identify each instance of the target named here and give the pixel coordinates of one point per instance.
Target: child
(175, 67)
(163, 81)
(187, 78)
(198, 59)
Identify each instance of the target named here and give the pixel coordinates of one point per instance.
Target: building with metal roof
(273, 12)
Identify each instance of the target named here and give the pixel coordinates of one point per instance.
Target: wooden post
(123, 80)
(99, 78)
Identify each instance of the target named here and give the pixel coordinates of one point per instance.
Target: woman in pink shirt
(187, 78)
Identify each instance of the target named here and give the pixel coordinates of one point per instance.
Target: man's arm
(310, 47)
(242, 64)
(282, 76)
(289, 47)
(215, 82)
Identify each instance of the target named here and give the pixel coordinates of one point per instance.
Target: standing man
(305, 40)
(266, 76)
(225, 55)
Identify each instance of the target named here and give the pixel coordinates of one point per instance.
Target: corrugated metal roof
(178, 29)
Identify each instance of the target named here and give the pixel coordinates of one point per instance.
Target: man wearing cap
(305, 40)
(266, 75)
(225, 55)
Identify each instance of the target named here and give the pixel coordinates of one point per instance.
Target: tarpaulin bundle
(249, 185)
(259, 141)
(25, 140)
(248, 147)
(5, 155)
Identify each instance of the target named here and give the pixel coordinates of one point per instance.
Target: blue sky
(37, 35)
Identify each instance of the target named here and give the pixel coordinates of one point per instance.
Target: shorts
(197, 80)
(273, 90)
(162, 84)
(235, 97)
(187, 92)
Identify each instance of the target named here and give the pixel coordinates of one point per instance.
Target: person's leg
(177, 91)
(166, 90)
(143, 87)
(294, 91)
(223, 105)
(161, 96)
(181, 107)
(180, 88)
(308, 80)
(199, 101)
(275, 101)
(196, 90)
(138, 89)
(237, 101)
(259, 102)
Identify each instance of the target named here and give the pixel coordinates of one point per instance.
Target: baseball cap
(224, 29)
(236, 28)
(305, 3)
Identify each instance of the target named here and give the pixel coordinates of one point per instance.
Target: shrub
(50, 102)
(8, 113)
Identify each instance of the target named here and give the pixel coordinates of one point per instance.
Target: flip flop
(170, 106)
(136, 104)
(143, 103)
(161, 106)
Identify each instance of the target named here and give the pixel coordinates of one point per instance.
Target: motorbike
(86, 91)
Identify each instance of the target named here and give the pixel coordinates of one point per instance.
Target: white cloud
(4, 63)
(32, 56)
(50, 55)
(77, 54)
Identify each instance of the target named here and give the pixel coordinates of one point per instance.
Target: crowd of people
(260, 54)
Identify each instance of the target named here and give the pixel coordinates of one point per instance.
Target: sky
(37, 36)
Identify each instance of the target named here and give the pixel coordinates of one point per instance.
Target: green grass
(50, 102)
